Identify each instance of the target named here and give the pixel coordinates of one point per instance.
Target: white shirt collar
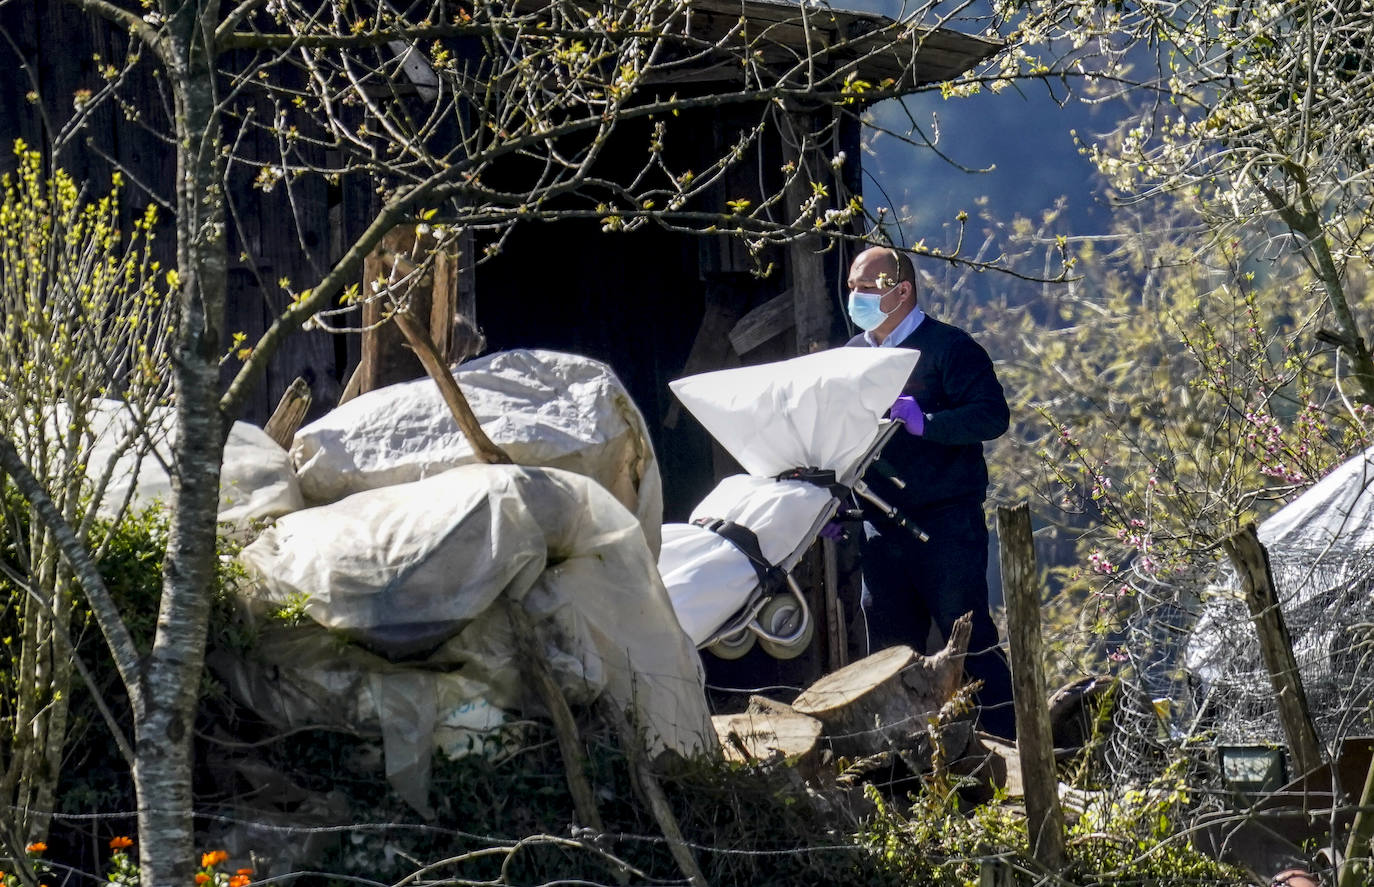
(904, 329)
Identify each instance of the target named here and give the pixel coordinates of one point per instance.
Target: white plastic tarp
(256, 479)
(543, 408)
(818, 410)
(301, 677)
(707, 576)
(1337, 513)
(425, 571)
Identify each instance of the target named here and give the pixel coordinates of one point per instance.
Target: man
(951, 403)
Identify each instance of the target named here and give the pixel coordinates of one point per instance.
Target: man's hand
(909, 411)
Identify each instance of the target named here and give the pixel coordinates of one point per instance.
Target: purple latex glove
(833, 530)
(909, 411)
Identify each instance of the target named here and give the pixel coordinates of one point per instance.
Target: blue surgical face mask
(865, 310)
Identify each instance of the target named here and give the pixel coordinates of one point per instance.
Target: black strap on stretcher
(771, 577)
(819, 477)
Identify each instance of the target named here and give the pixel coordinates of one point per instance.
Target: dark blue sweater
(957, 388)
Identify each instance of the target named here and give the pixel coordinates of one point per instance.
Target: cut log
(932, 680)
(887, 699)
(762, 705)
(761, 737)
(865, 707)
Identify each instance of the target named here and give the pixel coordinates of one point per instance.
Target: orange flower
(240, 881)
(213, 858)
(202, 878)
(37, 847)
(244, 872)
(121, 843)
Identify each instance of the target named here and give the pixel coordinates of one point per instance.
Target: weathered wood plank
(770, 319)
(711, 347)
(811, 307)
(1034, 740)
(1276, 646)
(290, 413)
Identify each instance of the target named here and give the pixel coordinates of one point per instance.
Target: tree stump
(757, 736)
(934, 679)
(886, 700)
(865, 707)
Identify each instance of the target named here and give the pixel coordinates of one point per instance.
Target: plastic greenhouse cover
(543, 408)
(425, 572)
(818, 410)
(1337, 513)
(1320, 540)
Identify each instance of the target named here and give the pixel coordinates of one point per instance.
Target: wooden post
(537, 673)
(1034, 739)
(642, 776)
(438, 370)
(442, 293)
(1276, 646)
(290, 412)
(1356, 867)
(810, 302)
(836, 632)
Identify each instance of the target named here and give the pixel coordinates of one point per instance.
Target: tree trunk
(162, 770)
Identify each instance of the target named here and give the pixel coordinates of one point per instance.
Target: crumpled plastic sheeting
(256, 479)
(301, 676)
(819, 410)
(707, 577)
(543, 408)
(425, 570)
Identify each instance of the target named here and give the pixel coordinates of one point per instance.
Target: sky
(1021, 137)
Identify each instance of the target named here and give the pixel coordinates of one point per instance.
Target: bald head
(1294, 878)
(887, 273)
(881, 261)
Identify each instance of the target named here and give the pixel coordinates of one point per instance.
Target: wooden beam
(811, 307)
(290, 412)
(1034, 740)
(453, 395)
(711, 347)
(836, 632)
(1276, 646)
(770, 319)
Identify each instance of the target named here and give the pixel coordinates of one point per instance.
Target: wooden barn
(655, 304)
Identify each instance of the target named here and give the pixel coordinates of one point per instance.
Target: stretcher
(806, 430)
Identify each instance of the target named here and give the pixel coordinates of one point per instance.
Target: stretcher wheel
(780, 617)
(733, 646)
